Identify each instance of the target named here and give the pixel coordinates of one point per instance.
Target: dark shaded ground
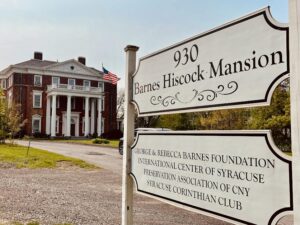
(78, 196)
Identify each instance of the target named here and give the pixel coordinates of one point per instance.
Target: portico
(92, 118)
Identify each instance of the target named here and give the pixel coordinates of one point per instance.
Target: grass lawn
(112, 143)
(15, 156)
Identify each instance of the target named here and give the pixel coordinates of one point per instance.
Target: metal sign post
(127, 183)
(294, 24)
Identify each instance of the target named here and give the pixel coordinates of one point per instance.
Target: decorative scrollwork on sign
(207, 94)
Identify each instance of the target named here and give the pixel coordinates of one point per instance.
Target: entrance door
(73, 125)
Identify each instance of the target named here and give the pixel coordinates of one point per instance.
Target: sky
(100, 29)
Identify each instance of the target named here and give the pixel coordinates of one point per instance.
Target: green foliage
(100, 141)
(110, 143)
(10, 118)
(33, 223)
(182, 121)
(15, 156)
(275, 117)
(3, 116)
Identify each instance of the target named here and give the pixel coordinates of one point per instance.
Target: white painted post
(48, 116)
(53, 117)
(86, 117)
(99, 123)
(294, 24)
(92, 127)
(68, 132)
(127, 182)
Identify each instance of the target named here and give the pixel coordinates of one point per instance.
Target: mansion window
(55, 81)
(101, 86)
(36, 124)
(10, 81)
(86, 84)
(3, 83)
(37, 80)
(37, 99)
(10, 97)
(102, 125)
(102, 104)
(57, 125)
(71, 83)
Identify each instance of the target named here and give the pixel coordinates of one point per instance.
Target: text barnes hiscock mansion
(61, 98)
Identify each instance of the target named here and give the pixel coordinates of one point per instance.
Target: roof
(35, 63)
(45, 65)
(98, 71)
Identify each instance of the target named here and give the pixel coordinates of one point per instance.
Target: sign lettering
(235, 65)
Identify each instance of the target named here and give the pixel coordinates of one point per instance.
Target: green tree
(14, 120)
(3, 116)
(275, 117)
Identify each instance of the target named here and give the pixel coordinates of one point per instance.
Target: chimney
(38, 55)
(81, 60)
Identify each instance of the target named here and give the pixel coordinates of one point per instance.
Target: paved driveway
(107, 158)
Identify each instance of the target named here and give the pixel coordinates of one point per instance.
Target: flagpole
(129, 115)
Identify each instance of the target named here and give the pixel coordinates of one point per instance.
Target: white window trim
(83, 125)
(88, 82)
(101, 85)
(33, 99)
(10, 81)
(102, 125)
(58, 81)
(102, 104)
(69, 79)
(41, 81)
(57, 124)
(39, 118)
(10, 96)
(3, 84)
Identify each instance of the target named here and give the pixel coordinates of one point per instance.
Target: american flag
(110, 76)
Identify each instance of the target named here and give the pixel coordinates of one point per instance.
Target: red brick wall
(110, 113)
(23, 94)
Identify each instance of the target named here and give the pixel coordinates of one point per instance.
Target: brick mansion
(61, 98)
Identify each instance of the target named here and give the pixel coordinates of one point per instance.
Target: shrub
(105, 141)
(100, 141)
(96, 141)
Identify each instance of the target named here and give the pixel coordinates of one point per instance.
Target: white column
(68, 128)
(53, 117)
(48, 115)
(86, 117)
(99, 122)
(294, 25)
(127, 182)
(92, 116)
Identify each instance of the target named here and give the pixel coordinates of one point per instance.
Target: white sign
(236, 65)
(237, 176)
